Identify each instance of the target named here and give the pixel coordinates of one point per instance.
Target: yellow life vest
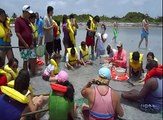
(57, 27)
(85, 53)
(11, 84)
(56, 68)
(14, 94)
(34, 30)
(8, 76)
(136, 66)
(10, 71)
(72, 60)
(71, 32)
(4, 30)
(92, 25)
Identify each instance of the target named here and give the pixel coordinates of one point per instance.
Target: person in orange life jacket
(52, 69)
(150, 96)
(135, 61)
(72, 59)
(104, 103)
(84, 54)
(9, 106)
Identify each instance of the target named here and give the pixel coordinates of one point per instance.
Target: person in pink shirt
(120, 57)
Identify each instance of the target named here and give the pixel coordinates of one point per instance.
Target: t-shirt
(48, 69)
(49, 33)
(100, 43)
(39, 23)
(23, 27)
(59, 107)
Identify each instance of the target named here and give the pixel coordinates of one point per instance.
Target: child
(84, 54)
(52, 69)
(101, 38)
(72, 58)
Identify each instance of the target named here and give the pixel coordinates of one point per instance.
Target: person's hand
(26, 45)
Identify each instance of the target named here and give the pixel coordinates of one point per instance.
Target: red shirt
(23, 27)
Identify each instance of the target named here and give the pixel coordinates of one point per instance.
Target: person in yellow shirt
(135, 64)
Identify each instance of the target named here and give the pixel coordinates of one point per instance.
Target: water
(129, 36)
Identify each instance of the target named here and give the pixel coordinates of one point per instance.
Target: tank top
(102, 108)
(155, 97)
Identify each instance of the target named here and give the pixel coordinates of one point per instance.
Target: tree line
(133, 17)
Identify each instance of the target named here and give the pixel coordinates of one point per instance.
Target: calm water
(130, 38)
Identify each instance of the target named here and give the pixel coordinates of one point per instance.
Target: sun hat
(62, 76)
(27, 9)
(105, 72)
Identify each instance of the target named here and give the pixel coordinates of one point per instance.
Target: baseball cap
(119, 44)
(105, 72)
(27, 9)
(62, 76)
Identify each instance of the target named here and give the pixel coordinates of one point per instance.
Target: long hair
(69, 95)
(22, 81)
(11, 61)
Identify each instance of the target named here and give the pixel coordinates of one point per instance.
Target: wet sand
(81, 76)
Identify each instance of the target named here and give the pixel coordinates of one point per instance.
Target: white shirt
(100, 43)
(48, 69)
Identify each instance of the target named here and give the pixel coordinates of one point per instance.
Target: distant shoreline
(109, 24)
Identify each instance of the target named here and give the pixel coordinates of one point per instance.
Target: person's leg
(10, 54)
(24, 53)
(140, 42)
(32, 61)
(146, 42)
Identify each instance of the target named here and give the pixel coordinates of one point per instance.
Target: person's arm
(136, 95)
(82, 60)
(86, 90)
(33, 107)
(45, 27)
(67, 62)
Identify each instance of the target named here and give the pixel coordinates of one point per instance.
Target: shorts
(151, 108)
(100, 52)
(144, 34)
(90, 41)
(27, 54)
(57, 45)
(50, 47)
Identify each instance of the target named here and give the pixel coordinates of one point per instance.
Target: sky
(108, 8)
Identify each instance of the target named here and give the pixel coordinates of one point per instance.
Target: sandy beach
(81, 76)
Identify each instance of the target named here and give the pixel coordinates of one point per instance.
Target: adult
(145, 32)
(5, 35)
(101, 39)
(104, 103)
(24, 33)
(135, 64)
(120, 57)
(48, 34)
(39, 24)
(110, 51)
(91, 32)
(14, 103)
(150, 96)
(115, 31)
(61, 100)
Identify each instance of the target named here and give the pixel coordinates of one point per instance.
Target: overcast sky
(109, 8)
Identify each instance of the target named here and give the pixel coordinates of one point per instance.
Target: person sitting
(72, 58)
(120, 57)
(84, 54)
(150, 96)
(4, 76)
(61, 100)
(135, 64)
(12, 68)
(52, 69)
(104, 103)
(110, 51)
(151, 56)
(15, 100)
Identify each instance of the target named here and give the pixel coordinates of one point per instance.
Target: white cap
(27, 8)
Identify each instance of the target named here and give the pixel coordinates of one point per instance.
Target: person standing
(91, 32)
(145, 32)
(24, 33)
(5, 35)
(115, 31)
(104, 102)
(48, 33)
(101, 38)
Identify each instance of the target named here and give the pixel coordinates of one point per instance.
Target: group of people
(103, 102)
